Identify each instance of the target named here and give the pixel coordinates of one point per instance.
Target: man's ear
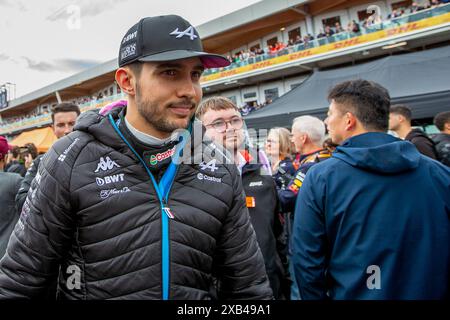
(447, 126)
(350, 121)
(126, 81)
(304, 138)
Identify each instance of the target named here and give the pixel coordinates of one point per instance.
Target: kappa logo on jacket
(105, 165)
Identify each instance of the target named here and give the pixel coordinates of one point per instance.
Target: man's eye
(196, 74)
(170, 72)
(218, 124)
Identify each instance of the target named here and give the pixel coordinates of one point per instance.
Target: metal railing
(385, 25)
(45, 119)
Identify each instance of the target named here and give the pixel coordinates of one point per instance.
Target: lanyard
(162, 190)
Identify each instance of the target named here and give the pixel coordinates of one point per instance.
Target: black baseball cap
(165, 38)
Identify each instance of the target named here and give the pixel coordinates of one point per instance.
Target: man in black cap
(115, 208)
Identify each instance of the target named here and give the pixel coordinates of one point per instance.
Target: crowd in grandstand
(42, 112)
(353, 28)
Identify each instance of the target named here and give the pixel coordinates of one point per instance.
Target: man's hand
(8, 158)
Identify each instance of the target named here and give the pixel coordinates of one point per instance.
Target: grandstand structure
(275, 46)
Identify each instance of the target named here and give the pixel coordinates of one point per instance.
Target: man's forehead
(182, 63)
(223, 114)
(334, 106)
(66, 114)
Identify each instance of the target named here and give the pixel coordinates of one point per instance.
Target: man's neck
(146, 138)
(139, 123)
(403, 131)
(310, 148)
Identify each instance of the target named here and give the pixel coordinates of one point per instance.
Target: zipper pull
(168, 212)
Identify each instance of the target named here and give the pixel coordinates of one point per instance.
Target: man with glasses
(224, 125)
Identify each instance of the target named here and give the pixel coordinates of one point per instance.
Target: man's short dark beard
(150, 113)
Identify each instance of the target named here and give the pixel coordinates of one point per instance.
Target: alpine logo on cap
(188, 32)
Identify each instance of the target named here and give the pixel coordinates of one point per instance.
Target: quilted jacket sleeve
(239, 263)
(26, 183)
(43, 231)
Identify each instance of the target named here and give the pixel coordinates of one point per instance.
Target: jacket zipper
(165, 210)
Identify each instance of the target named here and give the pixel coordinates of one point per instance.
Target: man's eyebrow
(169, 65)
(222, 119)
(199, 67)
(174, 65)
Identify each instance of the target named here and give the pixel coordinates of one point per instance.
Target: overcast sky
(44, 41)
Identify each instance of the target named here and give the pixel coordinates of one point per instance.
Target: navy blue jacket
(373, 222)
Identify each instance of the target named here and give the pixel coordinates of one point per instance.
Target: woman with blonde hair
(278, 149)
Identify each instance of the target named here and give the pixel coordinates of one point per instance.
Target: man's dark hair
(15, 151)
(441, 119)
(136, 68)
(32, 150)
(367, 100)
(65, 107)
(402, 110)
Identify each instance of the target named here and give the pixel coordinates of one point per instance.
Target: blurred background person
(442, 140)
(372, 222)
(400, 122)
(225, 126)
(64, 116)
(9, 184)
(308, 134)
(22, 158)
(13, 162)
(279, 151)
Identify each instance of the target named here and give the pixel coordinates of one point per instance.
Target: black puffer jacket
(93, 210)
(442, 141)
(423, 143)
(262, 203)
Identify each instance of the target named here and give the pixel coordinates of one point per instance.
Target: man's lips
(182, 110)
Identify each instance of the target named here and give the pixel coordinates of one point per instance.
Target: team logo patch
(211, 165)
(155, 158)
(62, 156)
(202, 176)
(105, 194)
(110, 179)
(189, 32)
(256, 184)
